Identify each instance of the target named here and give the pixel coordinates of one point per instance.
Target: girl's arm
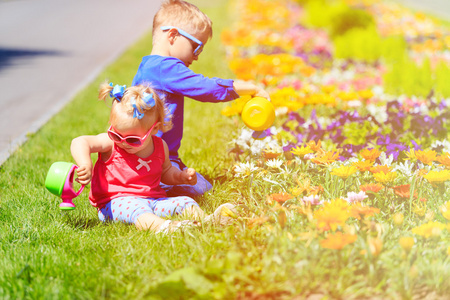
(81, 149)
(243, 88)
(172, 176)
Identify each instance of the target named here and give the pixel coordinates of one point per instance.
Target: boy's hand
(261, 93)
(189, 176)
(84, 174)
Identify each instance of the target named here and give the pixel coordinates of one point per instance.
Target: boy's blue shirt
(172, 80)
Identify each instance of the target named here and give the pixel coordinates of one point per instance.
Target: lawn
(346, 199)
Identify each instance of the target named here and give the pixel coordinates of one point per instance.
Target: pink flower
(355, 197)
(313, 199)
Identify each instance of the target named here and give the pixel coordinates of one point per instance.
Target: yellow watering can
(258, 114)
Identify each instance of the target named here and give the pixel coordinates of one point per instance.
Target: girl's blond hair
(181, 14)
(123, 106)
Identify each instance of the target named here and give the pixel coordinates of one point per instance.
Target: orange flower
(326, 158)
(314, 146)
(364, 165)
(338, 240)
(359, 211)
(304, 187)
(403, 191)
(270, 153)
(382, 168)
(258, 221)
(371, 154)
(444, 159)
(427, 157)
(281, 197)
(372, 187)
(332, 215)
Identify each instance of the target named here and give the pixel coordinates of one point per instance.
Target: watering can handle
(69, 180)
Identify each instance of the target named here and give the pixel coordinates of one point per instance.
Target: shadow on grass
(81, 223)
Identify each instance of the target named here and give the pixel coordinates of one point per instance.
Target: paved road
(439, 8)
(50, 49)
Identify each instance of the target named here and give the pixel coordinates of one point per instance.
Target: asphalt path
(51, 49)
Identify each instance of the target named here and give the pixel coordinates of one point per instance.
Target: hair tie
(117, 92)
(136, 113)
(148, 99)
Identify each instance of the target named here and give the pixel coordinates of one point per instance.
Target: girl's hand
(84, 174)
(189, 176)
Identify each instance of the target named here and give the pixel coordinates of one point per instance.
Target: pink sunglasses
(132, 140)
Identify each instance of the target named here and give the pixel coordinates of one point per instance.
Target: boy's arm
(247, 88)
(81, 149)
(172, 176)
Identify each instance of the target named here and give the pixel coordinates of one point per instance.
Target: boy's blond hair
(181, 14)
(122, 110)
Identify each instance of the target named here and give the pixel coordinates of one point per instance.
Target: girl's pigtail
(104, 91)
(116, 92)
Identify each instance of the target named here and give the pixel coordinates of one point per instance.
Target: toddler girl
(132, 162)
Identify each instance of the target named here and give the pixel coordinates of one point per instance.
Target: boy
(180, 31)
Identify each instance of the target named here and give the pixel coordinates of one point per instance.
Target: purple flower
(395, 149)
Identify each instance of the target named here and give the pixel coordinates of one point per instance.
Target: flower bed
(351, 165)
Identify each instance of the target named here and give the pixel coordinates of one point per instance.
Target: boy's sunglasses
(197, 50)
(132, 140)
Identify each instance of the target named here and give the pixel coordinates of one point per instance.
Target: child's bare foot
(171, 226)
(225, 214)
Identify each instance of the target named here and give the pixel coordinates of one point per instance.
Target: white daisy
(274, 163)
(244, 169)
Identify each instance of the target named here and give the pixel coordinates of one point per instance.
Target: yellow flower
(406, 243)
(375, 245)
(445, 210)
(365, 94)
(338, 240)
(301, 151)
(344, 171)
(435, 177)
(411, 155)
(427, 157)
(371, 154)
(332, 215)
(398, 219)
(429, 229)
(420, 208)
(384, 178)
